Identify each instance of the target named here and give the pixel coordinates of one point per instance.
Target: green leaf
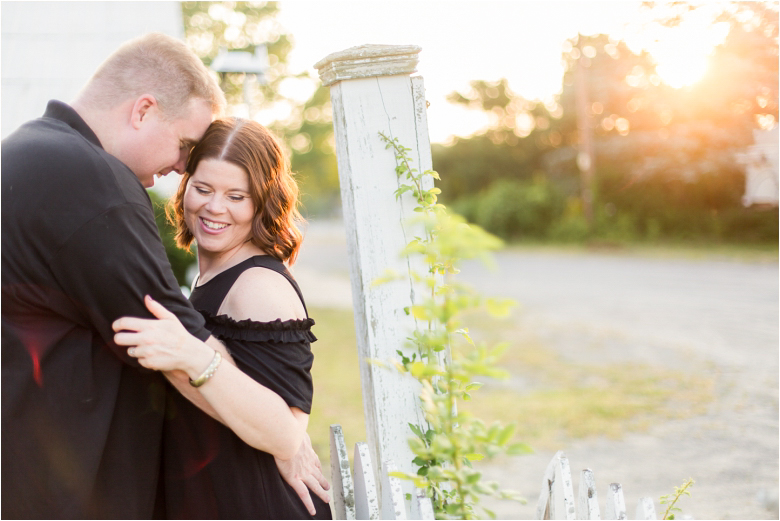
(518, 449)
(473, 478)
(402, 190)
(506, 434)
(499, 307)
(417, 431)
(420, 312)
(418, 369)
(474, 456)
(396, 474)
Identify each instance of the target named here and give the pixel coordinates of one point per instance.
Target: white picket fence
(358, 497)
(557, 500)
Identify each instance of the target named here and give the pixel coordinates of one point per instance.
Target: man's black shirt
(81, 421)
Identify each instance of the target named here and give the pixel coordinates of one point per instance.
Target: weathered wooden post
(371, 91)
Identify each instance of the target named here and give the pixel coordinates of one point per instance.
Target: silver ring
(131, 351)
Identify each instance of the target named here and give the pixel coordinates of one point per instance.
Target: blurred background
(626, 151)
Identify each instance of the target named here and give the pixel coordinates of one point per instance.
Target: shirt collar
(65, 113)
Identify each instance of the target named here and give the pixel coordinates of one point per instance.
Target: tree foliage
(180, 260)
(305, 129)
(664, 157)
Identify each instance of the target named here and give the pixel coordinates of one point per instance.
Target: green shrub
(515, 209)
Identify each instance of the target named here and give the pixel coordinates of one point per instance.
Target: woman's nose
(215, 204)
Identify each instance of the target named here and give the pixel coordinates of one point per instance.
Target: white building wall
(51, 49)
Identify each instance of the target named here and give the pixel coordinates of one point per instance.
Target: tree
(665, 157)
(306, 130)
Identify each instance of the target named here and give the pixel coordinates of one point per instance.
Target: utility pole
(585, 155)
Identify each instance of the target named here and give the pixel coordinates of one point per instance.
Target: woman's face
(218, 207)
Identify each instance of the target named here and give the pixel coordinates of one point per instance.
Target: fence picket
(340, 476)
(556, 500)
(543, 503)
(645, 509)
(393, 502)
(587, 500)
(616, 505)
(422, 506)
(562, 501)
(366, 500)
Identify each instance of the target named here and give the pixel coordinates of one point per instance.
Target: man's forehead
(194, 124)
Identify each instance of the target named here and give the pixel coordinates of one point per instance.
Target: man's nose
(181, 164)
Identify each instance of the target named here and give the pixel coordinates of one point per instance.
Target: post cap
(365, 61)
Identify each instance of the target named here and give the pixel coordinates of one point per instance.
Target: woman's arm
(256, 414)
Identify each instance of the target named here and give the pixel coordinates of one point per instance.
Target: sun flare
(681, 69)
(682, 53)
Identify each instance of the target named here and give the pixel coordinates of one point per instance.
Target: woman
(238, 201)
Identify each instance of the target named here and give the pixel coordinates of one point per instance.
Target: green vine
(445, 360)
(671, 499)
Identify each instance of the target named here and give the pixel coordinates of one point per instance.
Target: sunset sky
(469, 40)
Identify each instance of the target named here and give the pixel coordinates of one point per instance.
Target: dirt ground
(713, 316)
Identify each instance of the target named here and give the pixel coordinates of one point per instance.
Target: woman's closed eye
(201, 191)
(236, 198)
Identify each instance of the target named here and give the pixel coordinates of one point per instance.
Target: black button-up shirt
(81, 421)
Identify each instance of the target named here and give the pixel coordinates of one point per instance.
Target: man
(82, 421)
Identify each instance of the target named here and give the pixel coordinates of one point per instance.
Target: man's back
(81, 422)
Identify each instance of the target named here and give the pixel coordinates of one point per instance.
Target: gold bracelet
(209, 372)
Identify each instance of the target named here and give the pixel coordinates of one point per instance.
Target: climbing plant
(444, 359)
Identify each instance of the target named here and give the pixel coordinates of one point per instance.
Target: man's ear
(142, 108)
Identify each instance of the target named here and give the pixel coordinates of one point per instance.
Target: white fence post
(371, 92)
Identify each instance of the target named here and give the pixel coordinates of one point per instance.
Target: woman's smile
(213, 226)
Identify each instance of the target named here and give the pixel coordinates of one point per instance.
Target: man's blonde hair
(159, 65)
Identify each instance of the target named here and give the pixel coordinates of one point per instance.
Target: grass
(688, 250)
(557, 400)
(336, 375)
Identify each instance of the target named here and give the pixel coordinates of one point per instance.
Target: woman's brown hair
(251, 146)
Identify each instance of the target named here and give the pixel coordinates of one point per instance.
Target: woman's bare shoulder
(263, 295)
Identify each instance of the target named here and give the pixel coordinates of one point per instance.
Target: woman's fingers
(314, 485)
(303, 492)
(157, 309)
(126, 338)
(132, 323)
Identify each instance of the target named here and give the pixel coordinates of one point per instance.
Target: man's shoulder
(49, 166)
(49, 154)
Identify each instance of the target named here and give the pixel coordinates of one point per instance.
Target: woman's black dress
(209, 472)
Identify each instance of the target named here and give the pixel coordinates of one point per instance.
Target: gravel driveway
(712, 316)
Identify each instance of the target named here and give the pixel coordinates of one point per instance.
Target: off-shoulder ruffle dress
(209, 472)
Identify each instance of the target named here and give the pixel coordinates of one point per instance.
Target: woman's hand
(162, 344)
(304, 473)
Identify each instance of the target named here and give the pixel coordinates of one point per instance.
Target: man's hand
(303, 473)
